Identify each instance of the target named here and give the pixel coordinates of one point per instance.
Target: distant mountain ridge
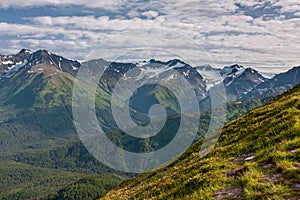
(11, 64)
(247, 83)
(36, 87)
(240, 83)
(36, 92)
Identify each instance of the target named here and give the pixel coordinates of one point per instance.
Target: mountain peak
(252, 71)
(232, 70)
(43, 52)
(207, 68)
(25, 51)
(236, 66)
(175, 63)
(60, 63)
(27, 60)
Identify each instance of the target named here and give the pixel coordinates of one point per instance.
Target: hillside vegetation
(41, 154)
(23, 181)
(41, 149)
(256, 157)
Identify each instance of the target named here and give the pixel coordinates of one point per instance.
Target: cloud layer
(262, 34)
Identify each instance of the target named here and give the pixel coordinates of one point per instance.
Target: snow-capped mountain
(276, 85)
(240, 83)
(48, 58)
(13, 62)
(152, 69)
(237, 80)
(158, 69)
(27, 60)
(246, 83)
(232, 71)
(228, 74)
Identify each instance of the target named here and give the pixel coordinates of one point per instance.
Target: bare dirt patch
(236, 173)
(231, 192)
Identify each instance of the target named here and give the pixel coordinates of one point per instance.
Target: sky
(253, 33)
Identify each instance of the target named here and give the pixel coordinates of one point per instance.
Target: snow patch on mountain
(173, 76)
(150, 72)
(211, 75)
(7, 62)
(177, 65)
(233, 70)
(267, 75)
(152, 69)
(74, 68)
(186, 74)
(13, 69)
(142, 64)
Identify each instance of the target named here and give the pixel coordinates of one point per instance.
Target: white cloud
(133, 13)
(288, 5)
(227, 36)
(150, 14)
(110, 5)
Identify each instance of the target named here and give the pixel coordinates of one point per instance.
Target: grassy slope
(270, 133)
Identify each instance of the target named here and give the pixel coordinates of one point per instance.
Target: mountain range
(36, 88)
(38, 137)
(241, 83)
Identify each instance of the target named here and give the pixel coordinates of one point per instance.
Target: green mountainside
(256, 157)
(41, 154)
